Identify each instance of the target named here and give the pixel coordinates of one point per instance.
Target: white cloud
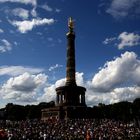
(128, 40)
(114, 96)
(1, 30)
(26, 25)
(55, 67)
(47, 7)
(118, 80)
(20, 12)
(32, 2)
(125, 94)
(17, 70)
(126, 8)
(109, 40)
(23, 88)
(57, 10)
(94, 98)
(125, 39)
(50, 93)
(6, 46)
(122, 70)
(33, 12)
(79, 78)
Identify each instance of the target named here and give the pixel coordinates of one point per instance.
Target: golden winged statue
(71, 24)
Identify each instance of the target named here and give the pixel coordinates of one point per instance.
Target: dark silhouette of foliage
(125, 111)
(19, 112)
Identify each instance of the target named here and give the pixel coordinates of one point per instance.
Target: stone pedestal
(70, 103)
(70, 96)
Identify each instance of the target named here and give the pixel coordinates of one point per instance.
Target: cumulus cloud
(126, 8)
(128, 40)
(28, 88)
(114, 96)
(55, 67)
(27, 25)
(20, 12)
(124, 40)
(118, 80)
(1, 30)
(50, 93)
(5, 46)
(17, 70)
(125, 94)
(124, 69)
(32, 2)
(99, 93)
(23, 88)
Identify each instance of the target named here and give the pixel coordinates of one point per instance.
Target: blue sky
(33, 49)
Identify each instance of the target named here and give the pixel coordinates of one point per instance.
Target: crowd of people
(83, 129)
